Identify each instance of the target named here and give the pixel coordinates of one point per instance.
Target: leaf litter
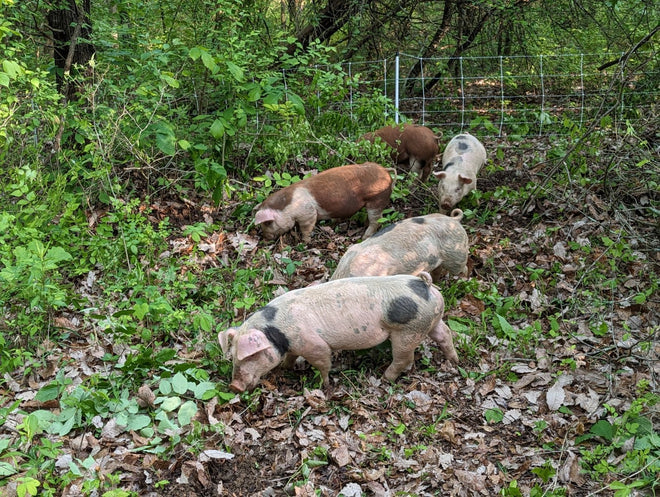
(429, 433)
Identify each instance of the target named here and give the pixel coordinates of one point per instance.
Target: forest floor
(549, 328)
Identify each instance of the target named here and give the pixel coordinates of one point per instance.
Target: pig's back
(406, 247)
(342, 191)
(356, 313)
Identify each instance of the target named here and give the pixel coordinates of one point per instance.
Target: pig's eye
(267, 223)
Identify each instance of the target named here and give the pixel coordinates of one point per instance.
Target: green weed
(639, 463)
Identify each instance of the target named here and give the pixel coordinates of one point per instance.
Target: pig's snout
(445, 206)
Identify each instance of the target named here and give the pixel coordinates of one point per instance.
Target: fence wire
(514, 95)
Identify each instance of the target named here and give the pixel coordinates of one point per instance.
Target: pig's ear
(225, 338)
(464, 179)
(265, 215)
(250, 343)
(439, 174)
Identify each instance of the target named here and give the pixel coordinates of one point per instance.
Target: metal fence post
(396, 89)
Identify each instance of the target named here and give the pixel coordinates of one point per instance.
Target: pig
(461, 162)
(335, 193)
(348, 314)
(434, 243)
(414, 145)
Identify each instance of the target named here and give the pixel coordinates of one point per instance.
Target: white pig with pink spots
(461, 162)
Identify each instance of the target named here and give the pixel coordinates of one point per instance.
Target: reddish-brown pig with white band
(413, 145)
(461, 162)
(434, 243)
(348, 314)
(335, 193)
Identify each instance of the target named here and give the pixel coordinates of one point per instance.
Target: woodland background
(135, 139)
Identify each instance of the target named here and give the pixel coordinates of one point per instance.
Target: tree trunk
(328, 21)
(431, 48)
(69, 23)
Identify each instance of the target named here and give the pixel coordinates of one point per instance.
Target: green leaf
(27, 486)
(209, 63)
(195, 53)
(4, 443)
(217, 129)
(204, 321)
(35, 423)
(6, 469)
(645, 426)
(298, 103)
(651, 441)
(603, 429)
(187, 412)
(138, 421)
(236, 71)
(170, 80)
(48, 392)
(506, 328)
(494, 415)
(116, 493)
(140, 310)
(179, 384)
(165, 355)
(170, 403)
(226, 396)
(204, 390)
(55, 255)
(73, 467)
(544, 472)
(165, 139)
(4, 79)
(89, 463)
(457, 326)
(254, 93)
(165, 386)
(65, 422)
(12, 68)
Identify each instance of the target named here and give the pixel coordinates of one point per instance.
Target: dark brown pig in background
(434, 243)
(461, 162)
(348, 314)
(336, 193)
(414, 145)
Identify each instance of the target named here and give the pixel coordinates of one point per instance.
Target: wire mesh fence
(514, 95)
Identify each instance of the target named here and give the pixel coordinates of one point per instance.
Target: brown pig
(461, 162)
(336, 193)
(414, 145)
(348, 314)
(434, 243)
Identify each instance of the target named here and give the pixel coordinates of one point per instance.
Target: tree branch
(625, 56)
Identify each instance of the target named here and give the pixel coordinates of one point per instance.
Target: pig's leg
(289, 361)
(417, 166)
(374, 214)
(321, 358)
(306, 224)
(421, 167)
(442, 335)
(403, 354)
(426, 171)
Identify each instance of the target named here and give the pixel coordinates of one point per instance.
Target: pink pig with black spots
(348, 314)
